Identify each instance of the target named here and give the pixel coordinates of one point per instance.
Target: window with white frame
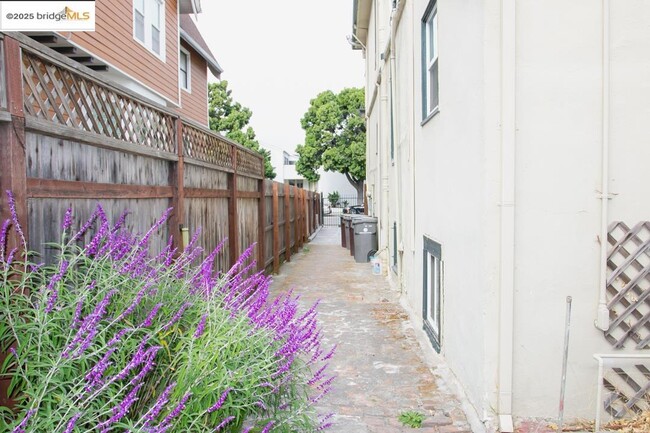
(430, 99)
(185, 70)
(432, 292)
(149, 25)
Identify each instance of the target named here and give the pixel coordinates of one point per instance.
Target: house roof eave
(213, 65)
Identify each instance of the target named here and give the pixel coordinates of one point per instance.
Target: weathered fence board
(85, 140)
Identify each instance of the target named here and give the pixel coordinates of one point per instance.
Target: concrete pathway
(380, 364)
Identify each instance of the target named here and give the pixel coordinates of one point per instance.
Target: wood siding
(113, 42)
(194, 104)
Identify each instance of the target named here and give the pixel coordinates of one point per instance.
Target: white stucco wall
(455, 160)
(558, 180)
(451, 192)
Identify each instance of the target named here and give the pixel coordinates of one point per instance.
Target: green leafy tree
(230, 119)
(335, 137)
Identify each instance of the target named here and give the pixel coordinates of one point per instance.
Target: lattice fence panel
(62, 96)
(249, 164)
(628, 285)
(207, 147)
(627, 390)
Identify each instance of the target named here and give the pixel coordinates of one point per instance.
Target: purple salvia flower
(177, 316)
(94, 376)
(117, 337)
(10, 257)
(138, 358)
(120, 221)
(157, 224)
(327, 383)
(150, 355)
(52, 286)
(159, 405)
(201, 326)
(88, 330)
(248, 429)
(138, 298)
(220, 402)
(76, 320)
(72, 423)
(318, 375)
(267, 428)
(3, 238)
(261, 405)
(20, 428)
(177, 410)
(14, 215)
(120, 410)
(195, 238)
(152, 314)
(330, 353)
(82, 231)
(223, 423)
(67, 219)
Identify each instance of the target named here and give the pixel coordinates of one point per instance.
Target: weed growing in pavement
(411, 418)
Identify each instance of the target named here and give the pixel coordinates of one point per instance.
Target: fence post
(233, 221)
(296, 217)
(13, 176)
(276, 229)
(261, 218)
(177, 219)
(287, 222)
(305, 215)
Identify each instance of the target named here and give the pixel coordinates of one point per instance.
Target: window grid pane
(155, 39)
(139, 26)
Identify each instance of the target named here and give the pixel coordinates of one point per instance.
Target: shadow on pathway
(380, 365)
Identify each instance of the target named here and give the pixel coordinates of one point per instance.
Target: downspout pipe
(602, 317)
(507, 258)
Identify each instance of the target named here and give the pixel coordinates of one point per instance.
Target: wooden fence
(70, 138)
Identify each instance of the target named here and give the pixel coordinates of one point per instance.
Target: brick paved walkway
(379, 362)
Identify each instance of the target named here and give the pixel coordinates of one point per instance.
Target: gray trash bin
(365, 238)
(346, 222)
(344, 230)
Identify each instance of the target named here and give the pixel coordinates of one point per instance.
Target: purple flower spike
(152, 314)
(177, 316)
(3, 238)
(177, 410)
(220, 402)
(224, 423)
(52, 286)
(20, 428)
(14, 215)
(200, 329)
(159, 405)
(72, 423)
(267, 428)
(67, 220)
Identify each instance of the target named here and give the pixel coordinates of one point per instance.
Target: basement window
(432, 276)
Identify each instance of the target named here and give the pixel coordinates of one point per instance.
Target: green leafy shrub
(111, 339)
(334, 197)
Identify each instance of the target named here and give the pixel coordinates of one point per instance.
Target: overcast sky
(277, 55)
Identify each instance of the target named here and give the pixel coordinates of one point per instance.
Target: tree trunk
(358, 185)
